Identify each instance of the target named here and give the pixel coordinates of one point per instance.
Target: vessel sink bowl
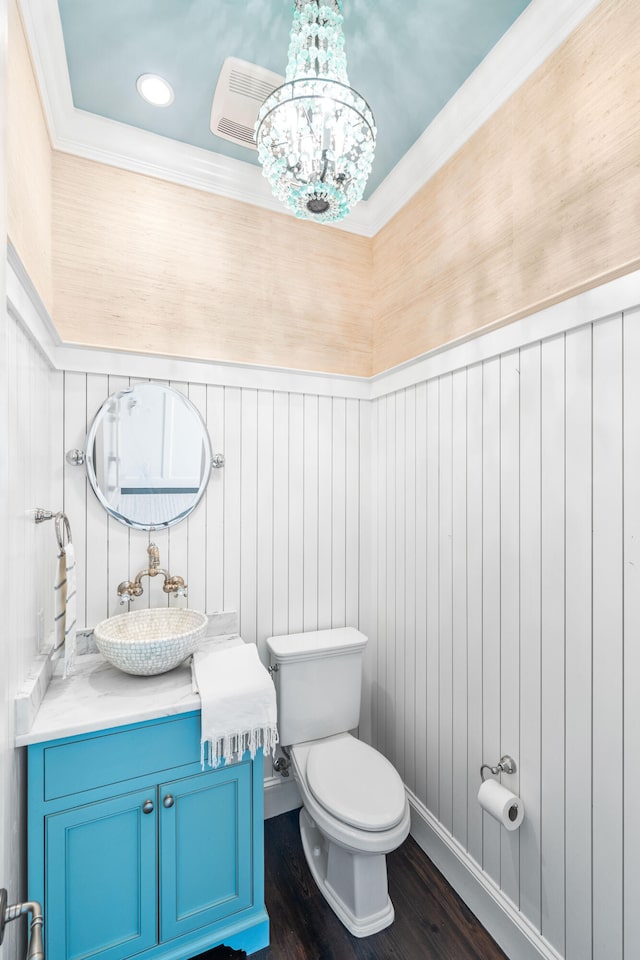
(152, 641)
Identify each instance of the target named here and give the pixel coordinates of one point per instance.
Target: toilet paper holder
(506, 764)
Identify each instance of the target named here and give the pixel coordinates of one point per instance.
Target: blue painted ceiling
(406, 57)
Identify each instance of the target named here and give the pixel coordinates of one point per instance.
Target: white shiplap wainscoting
(277, 535)
(31, 444)
(508, 616)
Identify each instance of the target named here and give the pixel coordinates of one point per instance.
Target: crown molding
(540, 29)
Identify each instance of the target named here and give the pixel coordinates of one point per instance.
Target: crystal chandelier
(315, 134)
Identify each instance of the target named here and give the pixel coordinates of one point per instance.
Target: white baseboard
(509, 928)
(281, 794)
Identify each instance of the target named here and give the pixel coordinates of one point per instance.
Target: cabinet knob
(147, 806)
(168, 801)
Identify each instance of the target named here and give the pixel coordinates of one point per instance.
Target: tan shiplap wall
(28, 165)
(544, 200)
(150, 266)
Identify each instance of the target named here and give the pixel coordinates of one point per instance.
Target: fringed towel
(238, 703)
(71, 608)
(60, 602)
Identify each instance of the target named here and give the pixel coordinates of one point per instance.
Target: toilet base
(353, 884)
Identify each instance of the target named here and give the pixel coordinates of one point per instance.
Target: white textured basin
(148, 642)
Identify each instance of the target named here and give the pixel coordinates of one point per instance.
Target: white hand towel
(71, 607)
(238, 703)
(60, 603)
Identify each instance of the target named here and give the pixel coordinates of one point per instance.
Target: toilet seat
(356, 784)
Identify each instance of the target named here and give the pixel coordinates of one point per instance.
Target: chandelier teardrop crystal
(315, 134)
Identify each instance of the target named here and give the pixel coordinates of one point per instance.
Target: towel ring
(61, 518)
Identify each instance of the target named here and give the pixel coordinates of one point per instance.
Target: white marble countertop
(98, 696)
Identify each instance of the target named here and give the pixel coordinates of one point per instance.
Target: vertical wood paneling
(400, 580)
(264, 589)
(310, 496)
(409, 698)
(325, 524)
(631, 628)
(459, 601)
(510, 604)
(75, 429)
(389, 467)
(178, 546)
(432, 594)
(296, 513)
(276, 537)
(553, 654)
(381, 584)
(421, 594)
(607, 641)
(530, 631)
(197, 523)
(338, 513)
(452, 522)
(139, 540)
(31, 433)
(215, 503)
(280, 513)
(491, 596)
(351, 518)
(445, 601)
(118, 563)
(578, 643)
(474, 605)
(249, 516)
(367, 570)
(232, 491)
(95, 571)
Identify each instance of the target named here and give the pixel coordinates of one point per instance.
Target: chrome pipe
(15, 910)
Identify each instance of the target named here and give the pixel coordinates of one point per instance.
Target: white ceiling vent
(240, 91)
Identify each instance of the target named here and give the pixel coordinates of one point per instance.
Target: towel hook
(61, 518)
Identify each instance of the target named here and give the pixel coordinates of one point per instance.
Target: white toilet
(355, 808)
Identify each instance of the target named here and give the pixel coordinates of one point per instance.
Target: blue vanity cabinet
(100, 888)
(135, 851)
(201, 882)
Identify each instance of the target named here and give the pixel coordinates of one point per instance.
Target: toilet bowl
(354, 812)
(355, 808)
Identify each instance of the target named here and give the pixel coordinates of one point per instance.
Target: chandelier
(315, 134)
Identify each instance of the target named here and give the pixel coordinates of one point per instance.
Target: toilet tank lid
(304, 646)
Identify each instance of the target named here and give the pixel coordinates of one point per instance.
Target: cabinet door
(205, 849)
(101, 867)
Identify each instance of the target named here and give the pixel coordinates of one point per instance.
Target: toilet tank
(318, 682)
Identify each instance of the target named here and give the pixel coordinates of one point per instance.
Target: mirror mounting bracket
(217, 461)
(75, 457)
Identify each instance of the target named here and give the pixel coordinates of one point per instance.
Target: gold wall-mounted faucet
(128, 590)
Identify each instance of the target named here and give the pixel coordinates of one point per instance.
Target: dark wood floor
(432, 922)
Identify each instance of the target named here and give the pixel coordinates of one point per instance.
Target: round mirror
(148, 456)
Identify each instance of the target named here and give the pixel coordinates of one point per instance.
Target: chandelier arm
(325, 166)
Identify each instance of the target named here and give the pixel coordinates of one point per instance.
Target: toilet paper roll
(501, 804)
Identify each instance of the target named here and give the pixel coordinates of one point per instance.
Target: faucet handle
(127, 591)
(175, 585)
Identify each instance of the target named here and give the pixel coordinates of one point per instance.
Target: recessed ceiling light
(155, 90)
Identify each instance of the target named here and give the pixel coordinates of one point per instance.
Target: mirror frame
(91, 470)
